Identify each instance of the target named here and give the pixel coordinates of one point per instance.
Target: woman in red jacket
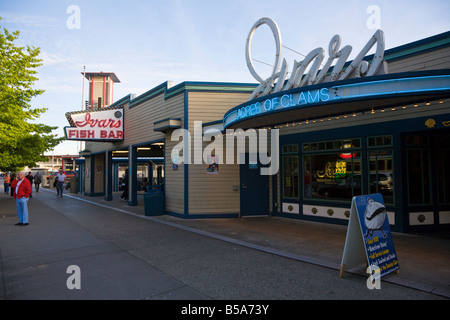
(22, 192)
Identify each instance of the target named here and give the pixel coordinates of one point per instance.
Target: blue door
(254, 190)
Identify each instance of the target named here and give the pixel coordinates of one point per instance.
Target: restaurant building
(369, 131)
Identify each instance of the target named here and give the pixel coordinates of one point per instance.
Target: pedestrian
(7, 182)
(22, 193)
(60, 177)
(13, 178)
(37, 181)
(124, 195)
(30, 178)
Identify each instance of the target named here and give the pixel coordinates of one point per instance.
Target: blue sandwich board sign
(369, 238)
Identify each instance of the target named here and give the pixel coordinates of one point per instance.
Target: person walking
(124, 195)
(30, 178)
(60, 177)
(22, 193)
(13, 178)
(7, 182)
(37, 181)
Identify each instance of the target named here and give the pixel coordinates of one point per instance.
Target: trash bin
(154, 202)
(73, 184)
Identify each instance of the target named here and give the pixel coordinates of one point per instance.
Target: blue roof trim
(191, 86)
(351, 81)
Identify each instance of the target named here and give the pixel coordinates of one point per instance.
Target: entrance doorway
(254, 190)
(428, 174)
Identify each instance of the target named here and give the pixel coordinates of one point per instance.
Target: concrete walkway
(424, 261)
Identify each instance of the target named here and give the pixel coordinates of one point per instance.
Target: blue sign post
(369, 222)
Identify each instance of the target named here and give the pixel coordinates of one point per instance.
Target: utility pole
(82, 101)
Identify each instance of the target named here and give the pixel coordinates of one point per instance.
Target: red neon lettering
(103, 123)
(72, 133)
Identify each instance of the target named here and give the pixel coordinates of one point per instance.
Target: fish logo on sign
(374, 217)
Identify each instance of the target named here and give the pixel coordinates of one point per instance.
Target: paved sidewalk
(424, 261)
(35, 259)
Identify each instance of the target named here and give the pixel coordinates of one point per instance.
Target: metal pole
(82, 101)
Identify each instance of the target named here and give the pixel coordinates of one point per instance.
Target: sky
(146, 43)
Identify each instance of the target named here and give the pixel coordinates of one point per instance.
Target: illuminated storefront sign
(298, 78)
(100, 125)
(284, 101)
(337, 169)
(329, 94)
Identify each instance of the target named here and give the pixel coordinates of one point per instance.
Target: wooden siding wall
(174, 180)
(213, 193)
(99, 173)
(438, 59)
(87, 175)
(138, 127)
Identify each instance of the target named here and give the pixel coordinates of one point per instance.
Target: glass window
(379, 141)
(332, 176)
(332, 169)
(419, 188)
(381, 179)
(290, 176)
(443, 174)
(290, 171)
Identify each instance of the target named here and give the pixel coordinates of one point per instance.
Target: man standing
(60, 177)
(22, 192)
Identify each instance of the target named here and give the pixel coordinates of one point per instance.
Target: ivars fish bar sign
(369, 238)
(98, 125)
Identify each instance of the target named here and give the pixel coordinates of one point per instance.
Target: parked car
(70, 174)
(381, 183)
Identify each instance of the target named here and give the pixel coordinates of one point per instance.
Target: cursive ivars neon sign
(100, 123)
(298, 78)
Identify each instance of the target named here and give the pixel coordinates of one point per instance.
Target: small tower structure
(100, 89)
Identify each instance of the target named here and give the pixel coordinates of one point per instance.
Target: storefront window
(443, 173)
(290, 171)
(381, 169)
(419, 186)
(381, 177)
(332, 169)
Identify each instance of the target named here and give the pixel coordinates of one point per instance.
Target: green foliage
(22, 142)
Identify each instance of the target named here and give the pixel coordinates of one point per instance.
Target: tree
(22, 142)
